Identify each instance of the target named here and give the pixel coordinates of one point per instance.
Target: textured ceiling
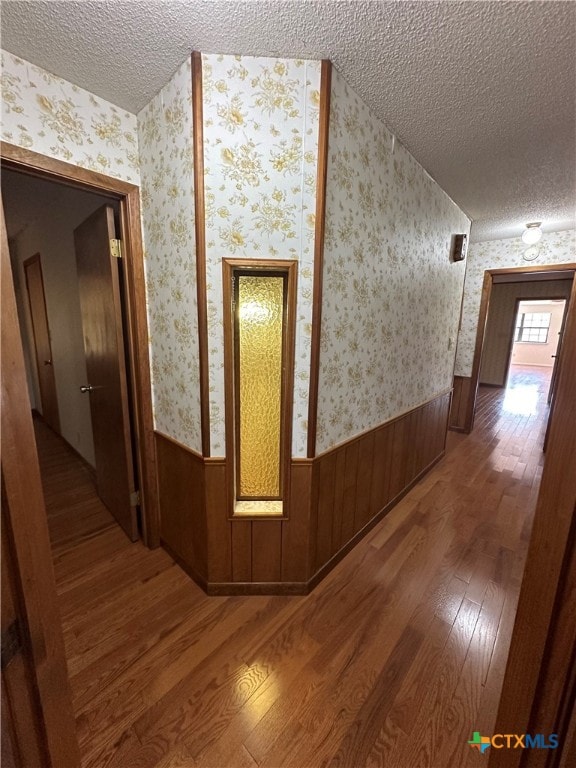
(482, 93)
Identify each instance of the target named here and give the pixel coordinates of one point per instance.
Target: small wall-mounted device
(459, 247)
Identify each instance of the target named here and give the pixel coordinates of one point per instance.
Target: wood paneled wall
(181, 486)
(334, 500)
(356, 483)
(462, 405)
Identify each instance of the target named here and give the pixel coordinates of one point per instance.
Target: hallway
(394, 660)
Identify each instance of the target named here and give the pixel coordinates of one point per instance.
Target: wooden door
(556, 357)
(99, 282)
(555, 371)
(38, 726)
(42, 344)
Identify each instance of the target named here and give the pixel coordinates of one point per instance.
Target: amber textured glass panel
(260, 320)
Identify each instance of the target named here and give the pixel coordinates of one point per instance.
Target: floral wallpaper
(555, 248)
(166, 161)
(260, 154)
(51, 116)
(391, 295)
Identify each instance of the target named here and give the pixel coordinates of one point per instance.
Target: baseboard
(258, 588)
(303, 588)
(302, 547)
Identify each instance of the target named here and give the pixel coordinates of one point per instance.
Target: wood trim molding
(32, 259)
(141, 383)
(290, 267)
(35, 164)
(565, 267)
(180, 445)
(258, 588)
(200, 228)
(214, 461)
(211, 460)
(48, 392)
(480, 331)
(319, 234)
(388, 422)
(230, 443)
(24, 160)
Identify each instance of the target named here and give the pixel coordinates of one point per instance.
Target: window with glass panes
(533, 327)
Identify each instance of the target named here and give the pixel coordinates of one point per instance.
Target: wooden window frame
(275, 267)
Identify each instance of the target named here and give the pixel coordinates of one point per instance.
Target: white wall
(48, 214)
(527, 353)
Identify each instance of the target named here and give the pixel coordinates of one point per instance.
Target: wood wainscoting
(181, 488)
(358, 482)
(462, 406)
(334, 500)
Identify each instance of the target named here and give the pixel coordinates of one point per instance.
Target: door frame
(540, 678)
(37, 259)
(487, 284)
(136, 337)
(512, 341)
(36, 628)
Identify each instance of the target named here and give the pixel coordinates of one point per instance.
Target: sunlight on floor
(521, 400)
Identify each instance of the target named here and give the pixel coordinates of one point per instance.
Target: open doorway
(537, 337)
(32, 620)
(523, 330)
(74, 325)
(496, 321)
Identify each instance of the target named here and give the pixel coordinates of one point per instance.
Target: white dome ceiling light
(532, 253)
(532, 233)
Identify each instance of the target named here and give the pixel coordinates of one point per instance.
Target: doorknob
(47, 362)
(86, 388)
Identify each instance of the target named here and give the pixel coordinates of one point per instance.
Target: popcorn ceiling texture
(555, 248)
(482, 94)
(391, 295)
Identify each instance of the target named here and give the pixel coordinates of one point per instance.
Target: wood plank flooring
(394, 659)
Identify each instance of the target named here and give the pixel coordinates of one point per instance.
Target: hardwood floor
(394, 660)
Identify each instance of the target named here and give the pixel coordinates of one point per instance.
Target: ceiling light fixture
(532, 253)
(532, 233)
